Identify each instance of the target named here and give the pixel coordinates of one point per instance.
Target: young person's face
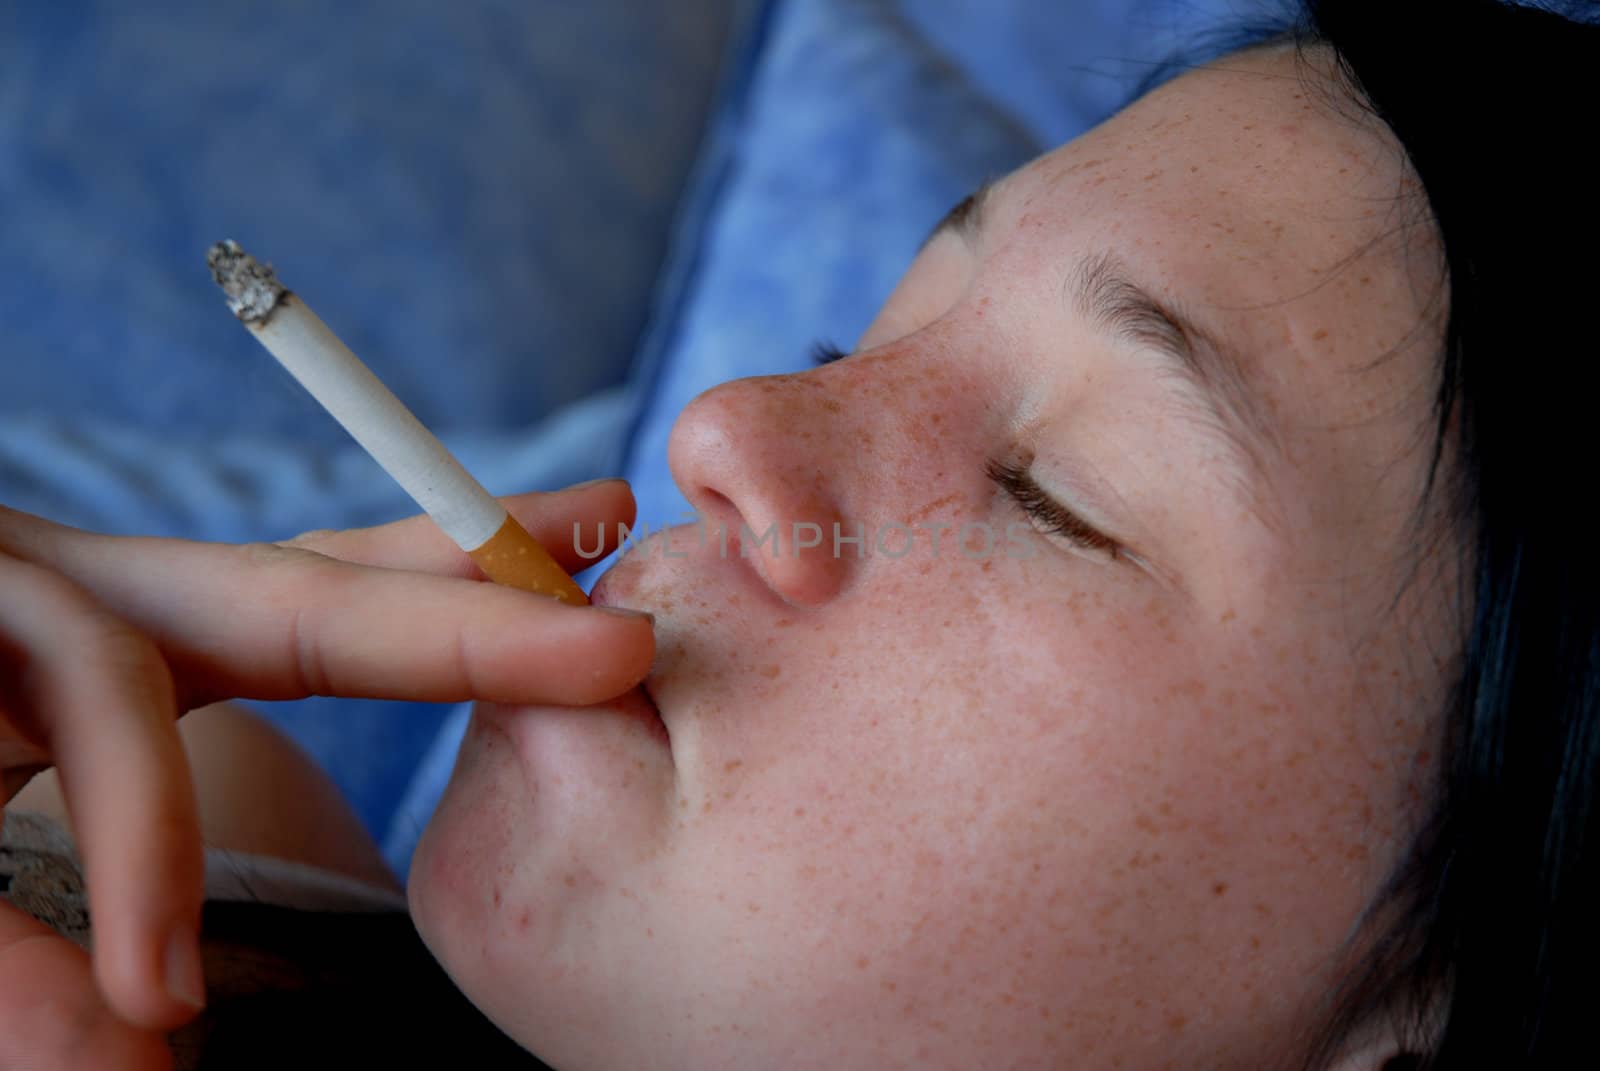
(1035, 803)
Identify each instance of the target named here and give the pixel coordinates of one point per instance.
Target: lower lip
(637, 706)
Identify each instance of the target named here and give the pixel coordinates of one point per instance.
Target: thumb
(55, 1017)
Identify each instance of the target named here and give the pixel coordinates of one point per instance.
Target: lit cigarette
(388, 431)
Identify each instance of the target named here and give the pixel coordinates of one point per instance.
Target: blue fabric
(424, 789)
(475, 195)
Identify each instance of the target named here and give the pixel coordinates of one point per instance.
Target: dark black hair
(1483, 944)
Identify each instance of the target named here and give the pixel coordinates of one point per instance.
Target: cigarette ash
(253, 290)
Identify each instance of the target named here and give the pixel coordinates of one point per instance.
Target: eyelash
(825, 352)
(1046, 512)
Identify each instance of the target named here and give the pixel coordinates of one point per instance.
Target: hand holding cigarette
(382, 424)
(105, 641)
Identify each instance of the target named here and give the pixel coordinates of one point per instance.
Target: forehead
(1255, 193)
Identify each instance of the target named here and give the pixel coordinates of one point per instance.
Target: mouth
(635, 705)
(638, 704)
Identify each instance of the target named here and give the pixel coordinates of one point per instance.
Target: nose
(763, 458)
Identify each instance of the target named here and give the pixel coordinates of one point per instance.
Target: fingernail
(623, 611)
(595, 483)
(186, 979)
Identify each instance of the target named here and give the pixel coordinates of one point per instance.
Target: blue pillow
(476, 195)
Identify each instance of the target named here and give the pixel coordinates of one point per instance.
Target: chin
(552, 816)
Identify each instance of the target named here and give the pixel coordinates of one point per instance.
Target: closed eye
(1047, 514)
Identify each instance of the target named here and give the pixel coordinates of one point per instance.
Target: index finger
(270, 622)
(273, 622)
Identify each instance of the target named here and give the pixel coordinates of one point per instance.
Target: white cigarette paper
(383, 426)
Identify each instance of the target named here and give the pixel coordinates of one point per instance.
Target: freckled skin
(1017, 812)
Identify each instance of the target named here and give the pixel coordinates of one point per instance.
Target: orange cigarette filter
(514, 558)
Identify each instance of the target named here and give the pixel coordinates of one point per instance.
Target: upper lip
(598, 593)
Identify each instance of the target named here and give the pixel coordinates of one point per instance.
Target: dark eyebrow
(965, 219)
(1102, 291)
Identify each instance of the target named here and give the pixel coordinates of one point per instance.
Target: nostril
(713, 508)
(716, 499)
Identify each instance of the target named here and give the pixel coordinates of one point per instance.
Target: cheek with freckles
(904, 817)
